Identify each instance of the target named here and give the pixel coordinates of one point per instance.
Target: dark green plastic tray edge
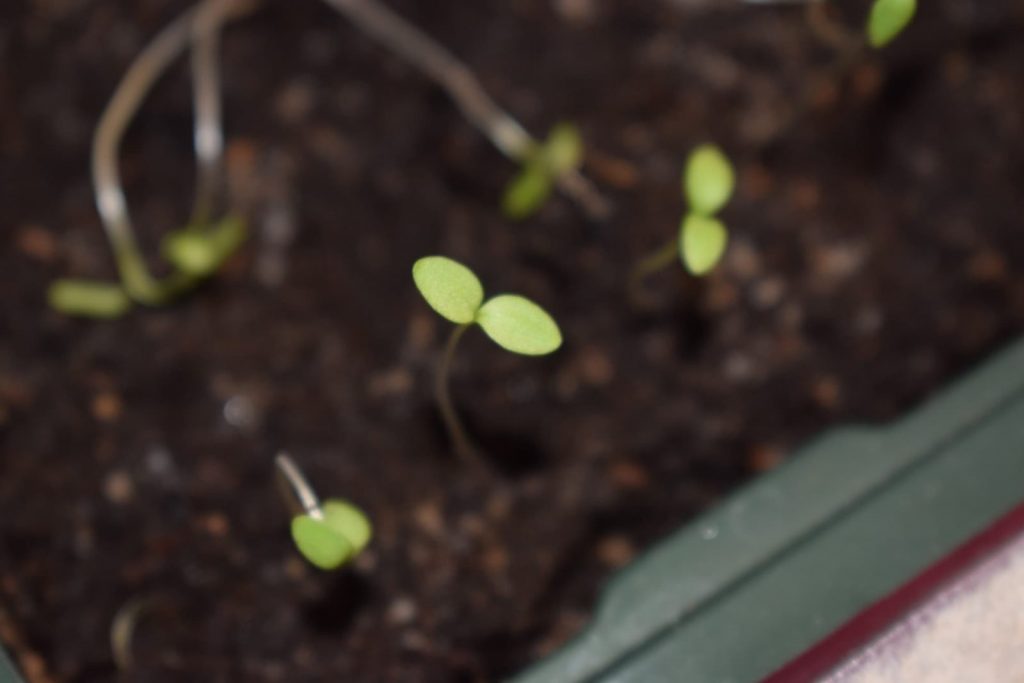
(736, 593)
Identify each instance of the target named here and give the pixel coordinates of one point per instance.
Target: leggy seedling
(708, 183)
(328, 534)
(513, 322)
(445, 69)
(197, 250)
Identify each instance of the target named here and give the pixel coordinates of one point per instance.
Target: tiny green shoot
(561, 153)
(200, 252)
(708, 183)
(89, 298)
(887, 20)
(513, 322)
(328, 534)
(196, 251)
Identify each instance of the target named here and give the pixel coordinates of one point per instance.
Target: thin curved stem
(441, 66)
(657, 260)
(204, 20)
(442, 393)
(298, 494)
(208, 132)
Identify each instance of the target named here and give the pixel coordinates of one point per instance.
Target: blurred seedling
(561, 153)
(852, 48)
(513, 322)
(885, 21)
(457, 79)
(329, 534)
(708, 183)
(198, 250)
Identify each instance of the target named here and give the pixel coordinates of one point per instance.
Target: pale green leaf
(519, 325)
(348, 521)
(563, 150)
(89, 298)
(527, 192)
(887, 19)
(702, 242)
(449, 287)
(319, 543)
(708, 180)
(189, 251)
(200, 252)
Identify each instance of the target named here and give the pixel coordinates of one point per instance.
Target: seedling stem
(655, 261)
(440, 65)
(298, 494)
(442, 391)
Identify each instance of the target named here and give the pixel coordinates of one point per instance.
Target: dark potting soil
(876, 247)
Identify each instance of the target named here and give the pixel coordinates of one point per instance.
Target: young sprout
(445, 69)
(330, 534)
(561, 153)
(513, 322)
(887, 19)
(708, 183)
(197, 250)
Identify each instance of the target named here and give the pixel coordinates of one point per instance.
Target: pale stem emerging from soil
(440, 65)
(201, 23)
(662, 258)
(298, 494)
(442, 392)
(208, 133)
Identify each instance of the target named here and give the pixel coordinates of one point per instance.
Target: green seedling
(200, 253)
(561, 153)
(456, 77)
(708, 184)
(513, 322)
(887, 20)
(198, 250)
(328, 534)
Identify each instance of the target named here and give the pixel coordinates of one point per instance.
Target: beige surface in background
(972, 632)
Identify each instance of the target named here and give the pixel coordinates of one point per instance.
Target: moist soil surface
(875, 250)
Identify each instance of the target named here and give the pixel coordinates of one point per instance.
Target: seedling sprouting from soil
(708, 183)
(886, 20)
(197, 250)
(441, 66)
(513, 322)
(328, 534)
(561, 153)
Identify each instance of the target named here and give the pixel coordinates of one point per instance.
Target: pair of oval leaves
(335, 537)
(560, 153)
(514, 322)
(708, 183)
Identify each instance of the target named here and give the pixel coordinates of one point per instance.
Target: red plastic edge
(831, 651)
